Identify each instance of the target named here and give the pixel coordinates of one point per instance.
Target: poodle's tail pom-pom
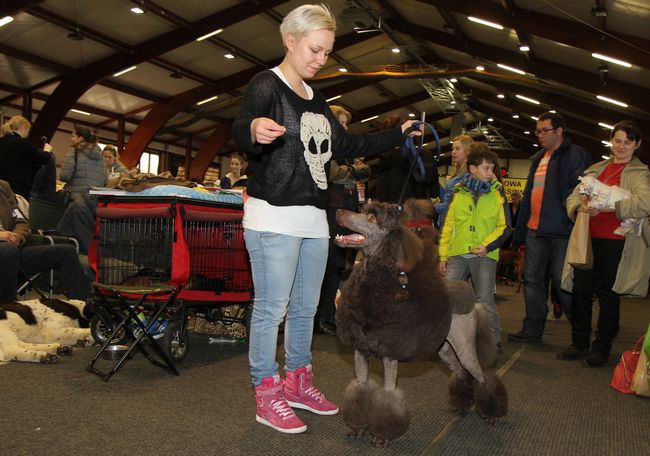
(486, 346)
(354, 406)
(491, 398)
(461, 393)
(388, 415)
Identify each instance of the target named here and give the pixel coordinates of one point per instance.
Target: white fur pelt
(40, 330)
(603, 196)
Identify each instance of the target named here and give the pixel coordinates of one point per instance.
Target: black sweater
(19, 161)
(279, 173)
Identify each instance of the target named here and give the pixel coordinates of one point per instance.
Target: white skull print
(315, 131)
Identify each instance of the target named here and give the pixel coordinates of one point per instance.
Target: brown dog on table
(395, 306)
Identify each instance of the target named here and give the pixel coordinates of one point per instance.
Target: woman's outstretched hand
(408, 124)
(265, 130)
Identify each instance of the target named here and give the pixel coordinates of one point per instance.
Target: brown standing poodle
(395, 306)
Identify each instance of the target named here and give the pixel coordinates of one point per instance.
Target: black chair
(123, 304)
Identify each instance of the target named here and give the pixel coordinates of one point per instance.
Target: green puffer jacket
(469, 224)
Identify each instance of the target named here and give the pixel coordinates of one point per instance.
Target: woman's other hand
(47, 147)
(408, 124)
(265, 130)
(442, 268)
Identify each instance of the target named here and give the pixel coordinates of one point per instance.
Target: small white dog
(603, 196)
(38, 330)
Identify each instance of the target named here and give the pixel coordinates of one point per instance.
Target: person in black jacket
(19, 158)
(542, 223)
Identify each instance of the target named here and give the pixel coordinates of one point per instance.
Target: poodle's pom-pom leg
(354, 406)
(491, 398)
(486, 348)
(388, 416)
(461, 393)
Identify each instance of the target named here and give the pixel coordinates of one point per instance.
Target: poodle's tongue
(354, 238)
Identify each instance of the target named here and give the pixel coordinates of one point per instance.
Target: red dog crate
(194, 244)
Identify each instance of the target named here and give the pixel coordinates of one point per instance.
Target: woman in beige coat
(621, 262)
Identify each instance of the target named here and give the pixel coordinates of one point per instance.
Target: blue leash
(411, 149)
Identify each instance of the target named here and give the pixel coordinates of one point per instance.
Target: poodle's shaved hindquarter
(395, 306)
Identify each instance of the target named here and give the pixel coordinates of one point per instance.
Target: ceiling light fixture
(529, 100)
(605, 157)
(509, 68)
(369, 119)
(524, 47)
(480, 68)
(500, 95)
(611, 60)
(206, 36)
(535, 145)
(207, 100)
(612, 101)
(411, 114)
(5, 20)
(527, 132)
(490, 119)
(533, 117)
(606, 125)
(454, 80)
(606, 143)
(553, 111)
(137, 10)
(229, 56)
(515, 116)
(336, 97)
(120, 73)
(395, 50)
(343, 70)
(484, 22)
(80, 112)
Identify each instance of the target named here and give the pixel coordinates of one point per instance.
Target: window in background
(149, 163)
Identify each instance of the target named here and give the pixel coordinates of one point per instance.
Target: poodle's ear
(410, 249)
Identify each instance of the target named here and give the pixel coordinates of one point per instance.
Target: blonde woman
(459, 150)
(289, 134)
(19, 158)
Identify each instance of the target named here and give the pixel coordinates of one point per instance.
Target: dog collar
(419, 223)
(403, 280)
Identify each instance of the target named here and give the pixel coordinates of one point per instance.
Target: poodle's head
(380, 233)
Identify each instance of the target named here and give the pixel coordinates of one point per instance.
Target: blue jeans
(483, 271)
(287, 276)
(544, 261)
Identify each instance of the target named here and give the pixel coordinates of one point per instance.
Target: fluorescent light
(611, 59)
(606, 143)
(336, 97)
(484, 22)
(454, 80)
(533, 117)
(229, 56)
(605, 125)
(411, 114)
(529, 100)
(343, 70)
(480, 68)
(452, 102)
(527, 132)
(515, 116)
(500, 95)
(205, 37)
(490, 119)
(524, 48)
(207, 100)
(485, 132)
(509, 68)
(611, 100)
(369, 119)
(80, 112)
(535, 145)
(553, 111)
(605, 157)
(5, 20)
(120, 73)
(137, 10)
(395, 50)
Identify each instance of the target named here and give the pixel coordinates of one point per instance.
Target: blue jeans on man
(287, 274)
(544, 262)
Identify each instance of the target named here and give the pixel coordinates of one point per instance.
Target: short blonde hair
(338, 110)
(14, 124)
(307, 18)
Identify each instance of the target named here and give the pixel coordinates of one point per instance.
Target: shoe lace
(314, 393)
(282, 409)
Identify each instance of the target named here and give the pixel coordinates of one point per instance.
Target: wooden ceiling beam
(13, 7)
(208, 151)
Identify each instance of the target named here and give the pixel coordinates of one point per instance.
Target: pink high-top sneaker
(300, 392)
(272, 408)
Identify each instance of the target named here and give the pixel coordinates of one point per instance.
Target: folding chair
(119, 302)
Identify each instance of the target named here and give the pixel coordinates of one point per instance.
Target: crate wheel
(101, 327)
(176, 342)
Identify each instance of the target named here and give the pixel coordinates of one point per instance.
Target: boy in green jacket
(476, 225)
